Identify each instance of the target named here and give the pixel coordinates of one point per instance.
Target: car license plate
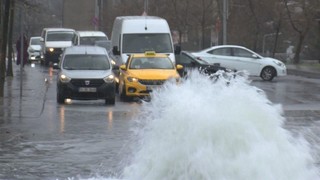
(87, 89)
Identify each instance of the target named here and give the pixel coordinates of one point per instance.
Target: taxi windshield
(151, 63)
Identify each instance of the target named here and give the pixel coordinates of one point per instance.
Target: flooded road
(40, 139)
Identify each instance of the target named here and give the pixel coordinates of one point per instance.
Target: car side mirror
(115, 50)
(41, 39)
(255, 56)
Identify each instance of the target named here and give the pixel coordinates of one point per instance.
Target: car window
(59, 36)
(86, 62)
(221, 52)
(183, 59)
(151, 63)
(91, 40)
(35, 41)
(241, 53)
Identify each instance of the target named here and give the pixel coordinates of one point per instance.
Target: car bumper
(282, 72)
(104, 91)
(138, 89)
(34, 56)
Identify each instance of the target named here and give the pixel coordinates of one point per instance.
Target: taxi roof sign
(150, 53)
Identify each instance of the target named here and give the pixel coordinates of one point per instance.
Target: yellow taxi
(144, 72)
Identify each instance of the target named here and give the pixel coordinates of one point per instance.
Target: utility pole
(224, 21)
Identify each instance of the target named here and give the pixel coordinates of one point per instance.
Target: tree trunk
(10, 48)
(4, 31)
(296, 59)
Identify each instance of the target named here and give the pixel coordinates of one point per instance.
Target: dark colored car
(86, 74)
(190, 62)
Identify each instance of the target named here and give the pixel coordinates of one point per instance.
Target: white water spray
(224, 130)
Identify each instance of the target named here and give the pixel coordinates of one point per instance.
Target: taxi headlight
(109, 79)
(64, 79)
(132, 79)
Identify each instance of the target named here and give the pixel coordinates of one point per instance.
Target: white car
(241, 58)
(34, 49)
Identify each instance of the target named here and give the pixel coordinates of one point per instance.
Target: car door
(246, 60)
(222, 56)
(187, 62)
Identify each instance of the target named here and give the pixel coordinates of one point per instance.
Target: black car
(190, 62)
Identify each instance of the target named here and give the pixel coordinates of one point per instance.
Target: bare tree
(4, 31)
(300, 15)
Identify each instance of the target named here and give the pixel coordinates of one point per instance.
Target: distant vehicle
(53, 42)
(190, 62)
(137, 34)
(34, 49)
(241, 58)
(88, 37)
(144, 72)
(86, 74)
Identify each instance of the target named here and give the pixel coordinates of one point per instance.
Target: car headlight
(64, 79)
(109, 79)
(113, 62)
(132, 79)
(51, 49)
(279, 63)
(31, 50)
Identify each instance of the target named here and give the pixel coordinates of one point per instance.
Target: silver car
(85, 74)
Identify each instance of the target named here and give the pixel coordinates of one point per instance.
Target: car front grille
(151, 82)
(87, 82)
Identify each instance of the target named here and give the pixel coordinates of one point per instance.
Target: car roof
(59, 29)
(223, 46)
(35, 37)
(91, 33)
(83, 49)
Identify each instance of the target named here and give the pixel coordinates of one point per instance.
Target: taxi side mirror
(179, 66)
(123, 67)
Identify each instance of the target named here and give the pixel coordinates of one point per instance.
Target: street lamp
(264, 38)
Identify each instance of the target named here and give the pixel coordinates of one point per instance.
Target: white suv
(53, 42)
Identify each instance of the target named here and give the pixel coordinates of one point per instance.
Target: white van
(137, 34)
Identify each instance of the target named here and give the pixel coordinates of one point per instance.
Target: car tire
(110, 101)
(268, 73)
(60, 97)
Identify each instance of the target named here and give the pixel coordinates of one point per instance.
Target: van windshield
(140, 43)
(60, 36)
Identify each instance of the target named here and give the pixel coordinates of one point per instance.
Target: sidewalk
(310, 70)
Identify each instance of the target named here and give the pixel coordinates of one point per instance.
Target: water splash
(209, 128)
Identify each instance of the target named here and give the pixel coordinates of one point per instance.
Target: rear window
(86, 62)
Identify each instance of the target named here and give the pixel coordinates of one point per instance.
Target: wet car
(144, 72)
(85, 73)
(190, 62)
(241, 58)
(34, 49)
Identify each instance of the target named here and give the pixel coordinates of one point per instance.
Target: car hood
(35, 47)
(87, 74)
(154, 74)
(59, 44)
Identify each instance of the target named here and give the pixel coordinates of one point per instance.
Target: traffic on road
(197, 122)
